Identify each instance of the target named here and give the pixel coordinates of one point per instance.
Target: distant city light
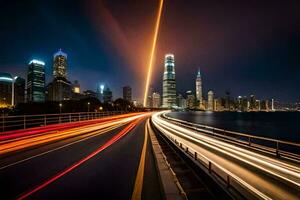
(38, 62)
(101, 89)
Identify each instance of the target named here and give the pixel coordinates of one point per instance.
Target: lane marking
(82, 161)
(138, 185)
(89, 136)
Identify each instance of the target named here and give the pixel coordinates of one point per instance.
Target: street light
(88, 110)
(60, 105)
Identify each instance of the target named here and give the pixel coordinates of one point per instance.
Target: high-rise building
(36, 81)
(227, 105)
(252, 103)
(190, 100)
(210, 100)
(272, 105)
(169, 83)
(60, 64)
(19, 90)
(60, 88)
(156, 100)
(6, 82)
(107, 95)
(199, 88)
(76, 87)
(100, 91)
(127, 93)
(181, 102)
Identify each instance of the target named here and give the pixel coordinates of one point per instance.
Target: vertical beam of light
(153, 51)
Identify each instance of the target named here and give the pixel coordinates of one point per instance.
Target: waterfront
(277, 125)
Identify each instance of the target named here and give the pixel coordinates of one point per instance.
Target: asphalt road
(109, 174)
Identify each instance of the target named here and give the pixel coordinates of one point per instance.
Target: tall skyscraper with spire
(60, 88)
(169, 83)
(199, 87)
(60, 64)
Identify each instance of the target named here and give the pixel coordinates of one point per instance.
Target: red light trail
(100, 149)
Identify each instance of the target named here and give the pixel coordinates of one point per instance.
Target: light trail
(55, 127)
(82, 161)
(85, 137)
(23, 143)
(239, 162)
(153, 51)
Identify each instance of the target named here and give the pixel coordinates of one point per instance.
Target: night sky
(242, 47)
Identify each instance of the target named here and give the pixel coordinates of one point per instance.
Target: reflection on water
(279, 125)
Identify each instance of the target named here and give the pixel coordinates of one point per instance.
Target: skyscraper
(156, 101)
(60, 64)
(190, 100)
(60, 88)
(6, 81)
(36, 81)
(127, 93)
(199, 87)
(169, 83)
(19, 90)
(99, 91)
(107, 95)
(210, 100)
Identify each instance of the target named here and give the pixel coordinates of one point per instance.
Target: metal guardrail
(280, 148)
(10, 123)
(228, 180)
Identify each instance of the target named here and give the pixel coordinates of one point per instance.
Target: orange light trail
(153, 51)
(110, 142)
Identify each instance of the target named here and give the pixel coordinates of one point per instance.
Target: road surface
(101, 163)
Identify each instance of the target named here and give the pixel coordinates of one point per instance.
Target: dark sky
(245, 48)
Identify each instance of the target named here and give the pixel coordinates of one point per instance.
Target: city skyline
(254, 65)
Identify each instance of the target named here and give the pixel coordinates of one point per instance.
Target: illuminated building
(100, 90)
(228, 104)
(107, 95)
(76, 87)
(252, 103)
(149, 98)
(272, 105)
(190, 100)
(6, 82)
(210, 100)
(169, 83)
(36, 81)
(258, 105)
(156, 100)
(59, 89)
(60, 64)
(127, 93)
(199, 88)
(181, 102)
(19, 90)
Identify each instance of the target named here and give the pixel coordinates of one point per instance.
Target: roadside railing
(280, 148)
(233, 184)
(10, 123)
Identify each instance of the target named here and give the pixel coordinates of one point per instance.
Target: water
(277, 125)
